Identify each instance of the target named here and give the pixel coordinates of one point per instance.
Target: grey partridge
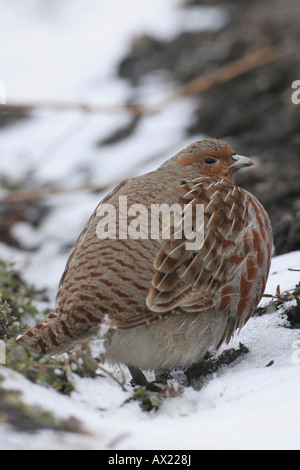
(166, 304)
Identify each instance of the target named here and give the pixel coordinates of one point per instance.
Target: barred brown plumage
(167, 304)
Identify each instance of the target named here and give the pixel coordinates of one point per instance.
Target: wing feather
(191, 279)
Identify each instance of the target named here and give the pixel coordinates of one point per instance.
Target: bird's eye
(210, 160)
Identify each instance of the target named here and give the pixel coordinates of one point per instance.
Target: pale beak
(241, 161)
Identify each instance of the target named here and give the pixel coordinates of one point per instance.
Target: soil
(198, 374)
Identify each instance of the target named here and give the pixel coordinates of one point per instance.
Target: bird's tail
(47, 337)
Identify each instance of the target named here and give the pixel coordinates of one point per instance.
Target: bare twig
(34, 195)
(198, 85)
(228, 72)
(134, 109)
(108, 372)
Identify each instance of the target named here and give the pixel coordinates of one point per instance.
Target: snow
(243, 406)
(68, 50)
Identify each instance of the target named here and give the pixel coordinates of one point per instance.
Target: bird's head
(211, 157)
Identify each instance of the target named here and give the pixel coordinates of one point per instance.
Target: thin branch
(228, 72)
(34, 195)
(134, 109)
(200, 84)
(108, 372)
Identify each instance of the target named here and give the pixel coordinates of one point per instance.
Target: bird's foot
(138, 378)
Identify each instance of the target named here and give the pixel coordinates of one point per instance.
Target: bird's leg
(162, 377)
(138, 378)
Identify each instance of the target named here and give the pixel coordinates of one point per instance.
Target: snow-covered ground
(244, 406)
(68, 50)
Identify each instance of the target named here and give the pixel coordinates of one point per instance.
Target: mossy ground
(17, 301)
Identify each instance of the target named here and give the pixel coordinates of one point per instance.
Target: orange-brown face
(213, 158)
